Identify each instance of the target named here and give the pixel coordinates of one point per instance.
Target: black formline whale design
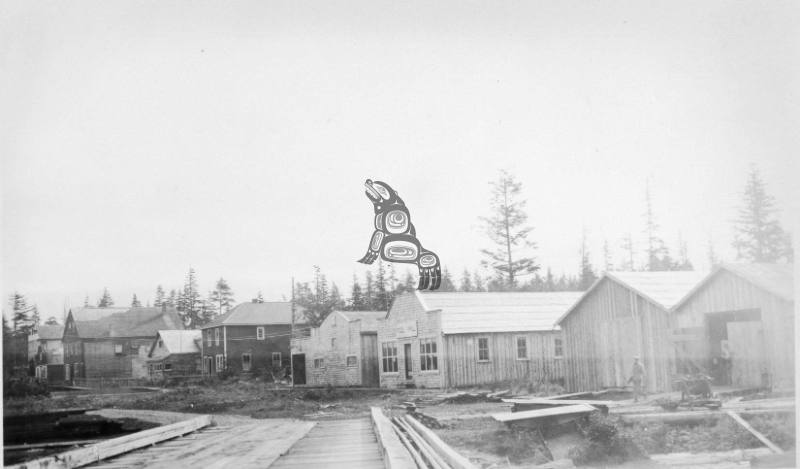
(395, 238)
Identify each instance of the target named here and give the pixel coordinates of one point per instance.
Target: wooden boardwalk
(240, 444)
(335, 444)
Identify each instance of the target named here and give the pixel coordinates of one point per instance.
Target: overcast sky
(141, 138)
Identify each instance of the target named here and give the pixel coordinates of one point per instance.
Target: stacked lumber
(426, 448)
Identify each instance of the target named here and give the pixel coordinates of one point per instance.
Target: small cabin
(174, 353)
(738, 325)
(342, 351)
(457, 339)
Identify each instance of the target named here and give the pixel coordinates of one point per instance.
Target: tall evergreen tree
(369, 290)
(447, 281)
(507, 229)
(20, 312)
(382, 298)
(172, 299)
(608, 263)
(549, 281)
(408, 282)
(587, 275)
(318, 302)
(478, 282)
(357, 301)
(466, 282)
(656, 250)
(135, 303)
(189, 303)
(105, 301)
(758, 235)
(222, 297)
(683, 262)
(259, 298)
(336, 301)
(160, 297)
(627, 247)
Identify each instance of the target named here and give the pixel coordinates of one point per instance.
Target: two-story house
(252, 337)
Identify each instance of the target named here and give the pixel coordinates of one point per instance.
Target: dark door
(369, 360)
(407, 355)
(299, 368)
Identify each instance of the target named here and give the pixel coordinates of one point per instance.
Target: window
(276, 359)
(220, 363)
(389, 357)
(522, 348)
(260, 333)
(483, 349)
(208, 337)
(118, 349)
(559, 346)
(352, 360)
(167, 366)
(246, 361)
(428, 360)
(216, 337)
(319, 362)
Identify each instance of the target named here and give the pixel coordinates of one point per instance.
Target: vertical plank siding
(728, 292)
(606, 330)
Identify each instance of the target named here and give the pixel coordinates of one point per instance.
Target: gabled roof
(777, 279)
(369, 319)
(179, 341)
(46, 332)
(133, 322)
(664, 288)
(92, 313)
(247, 314)
(476, 312)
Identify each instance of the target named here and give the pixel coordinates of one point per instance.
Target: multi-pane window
(352, 360)
(427, 355)
(389, 357)
(216, 337)
(276, 359)
(319, 362)
(220, 363)
(167, 366)
(522, 348)
(118, 349)
(260, 333)
(208, 338)
(483, 349)
(247, 360)
(559, 348)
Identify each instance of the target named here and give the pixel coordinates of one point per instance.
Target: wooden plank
(561, 402)
(755, 432)
(394, 456)
(454, 459)
(94, 453)
(541, 413)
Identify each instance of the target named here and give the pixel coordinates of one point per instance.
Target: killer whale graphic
(395, 238)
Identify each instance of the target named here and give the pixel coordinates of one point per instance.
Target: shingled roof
(131, 322)
(47, 332)
(179, 341)
(475, 312)
(93, 313)
(254, 314)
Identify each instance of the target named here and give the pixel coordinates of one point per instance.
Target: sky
(140, 139)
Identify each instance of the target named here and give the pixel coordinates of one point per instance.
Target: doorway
(407, 359)
(299, 368)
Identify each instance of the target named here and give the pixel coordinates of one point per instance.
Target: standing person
(637, 377)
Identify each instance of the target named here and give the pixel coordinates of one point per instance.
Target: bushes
(605, 444)
(21, 386)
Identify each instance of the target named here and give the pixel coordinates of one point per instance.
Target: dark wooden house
(441, 339)
(174, 353)
(623, 315)
(46, 346)
(251, 337)
(113, 342)
(739, 325)
(342, 351)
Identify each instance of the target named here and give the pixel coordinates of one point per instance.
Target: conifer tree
(477, 281)
(466, 282)
(172, 299)
(20, 312)
(105, 301)
(222, 297)
(159, 296)
(758, 235)
(382, 299)
(587, 275)
(135, 303)
(357, 301)
(408, 283)
(447, 281)
(369, 290)
(259, 298)
(189, 302)
(86, 302)
(507, 229)
(627, 247)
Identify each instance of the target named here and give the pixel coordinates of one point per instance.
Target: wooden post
(755, 432)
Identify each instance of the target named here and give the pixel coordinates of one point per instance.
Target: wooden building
(443, 340)
(623, 315)
(738, 323)
(174, 353)
(251, 337)
(113, 342)
(342, 351)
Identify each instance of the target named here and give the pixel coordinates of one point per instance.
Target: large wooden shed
(342, 351)
(623, 315)
(738, 324)
(459, 339)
